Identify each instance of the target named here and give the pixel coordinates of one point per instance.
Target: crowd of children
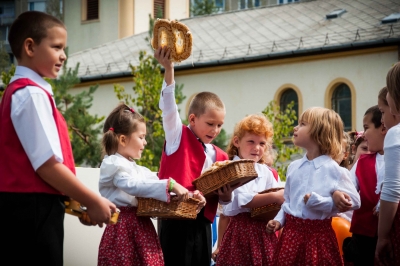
(355, 174)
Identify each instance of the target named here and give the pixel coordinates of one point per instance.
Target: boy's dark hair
(376, 115)
(30, 24)
(393, 84)
(123, 120)
(382, 95)
(204, 101)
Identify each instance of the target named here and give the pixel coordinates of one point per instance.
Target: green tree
(84, 128)
(54, 8)
(283, 122)
(4, 58)
(203, 7)
(6, 77)
(147, 83)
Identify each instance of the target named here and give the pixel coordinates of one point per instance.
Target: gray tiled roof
(247, 34)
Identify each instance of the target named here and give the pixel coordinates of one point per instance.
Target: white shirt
(391, 184)
(121, 180)
(172, 124)
(33, 119)
(319, 177)
(244, 194)
(380, 175)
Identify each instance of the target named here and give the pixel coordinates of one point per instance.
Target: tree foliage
(283, 123)
(54, 8)
(147, 84)
(4, 57)
(203, 7)
(84, 128)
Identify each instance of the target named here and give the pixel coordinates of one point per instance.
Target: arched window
(341, 103)
(288, 96)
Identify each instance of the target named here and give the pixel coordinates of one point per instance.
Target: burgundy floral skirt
(307, 242)
(246, 242)
(132, 241)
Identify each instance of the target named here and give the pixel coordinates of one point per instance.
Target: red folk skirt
(395, 237)
(132, 241)
(246, 242)
(307, 242)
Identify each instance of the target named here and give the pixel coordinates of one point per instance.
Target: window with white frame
(341, 104)
(279, 2)
(37, 5)
(244, 4)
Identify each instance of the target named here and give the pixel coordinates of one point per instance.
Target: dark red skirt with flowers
(132, 241)
(307, 242)
(395, 237)
(246, 242)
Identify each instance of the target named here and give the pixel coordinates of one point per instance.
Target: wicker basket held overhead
(267, 212)
(173, 210)
(226, 172)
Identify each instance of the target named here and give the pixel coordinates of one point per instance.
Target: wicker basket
(267, 212)
(173, 210)
(231, 173)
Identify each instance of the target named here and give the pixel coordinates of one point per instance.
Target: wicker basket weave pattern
(173, 210)
(267, 212)
(231, 173)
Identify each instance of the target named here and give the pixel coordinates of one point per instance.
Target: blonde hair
(326, 130)
(346, 137)
(393, 84)
(254, 124)
(204, 101)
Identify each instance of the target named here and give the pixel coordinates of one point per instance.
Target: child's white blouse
(244, 194)
(122, 180)
(320, 178)
(391, 184)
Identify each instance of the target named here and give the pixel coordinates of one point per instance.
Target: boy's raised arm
(172, 122)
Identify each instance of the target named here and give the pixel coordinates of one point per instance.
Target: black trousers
(186, 242)
(360, 250)
(32, 228)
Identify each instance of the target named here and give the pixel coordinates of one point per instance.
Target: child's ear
(235, 141)
(122, 140)
(191, 119)
(29, 46)
(353, 149)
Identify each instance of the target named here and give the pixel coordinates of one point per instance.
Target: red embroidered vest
(363, 221)
(16, 171)
(185, 165)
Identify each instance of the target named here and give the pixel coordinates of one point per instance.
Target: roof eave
(268, 56)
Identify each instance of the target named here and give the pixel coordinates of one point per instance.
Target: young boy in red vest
(37, 165)
(368, 174)
(187, 152)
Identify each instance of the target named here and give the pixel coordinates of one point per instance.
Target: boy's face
(48, 57)
(388, 119)
(208, 125)
(373, 136)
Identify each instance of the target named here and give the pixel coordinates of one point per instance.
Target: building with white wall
(330, 53)
(95, 22)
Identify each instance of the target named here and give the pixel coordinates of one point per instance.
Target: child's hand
(376, 211)
(214, 255)
(273, 226)
(225, 192)
(197, 195)
(279, 196)
(342, 201)
(181, 192)
(162, 56)
(100, 211)
(85, 220)
(306, 197)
